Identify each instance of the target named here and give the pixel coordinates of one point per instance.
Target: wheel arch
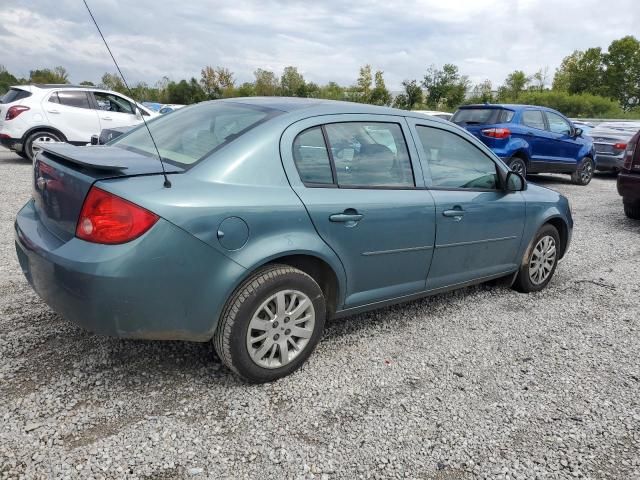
(563, 230)
(42, 128)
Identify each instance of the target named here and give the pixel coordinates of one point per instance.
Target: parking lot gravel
(480, 383)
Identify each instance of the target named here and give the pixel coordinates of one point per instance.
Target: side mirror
(138, 114)
(95, 139)
(578, 132)
(515, 182)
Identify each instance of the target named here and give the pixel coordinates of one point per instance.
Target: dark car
(610, 142)
(629, 178)
(531, 139)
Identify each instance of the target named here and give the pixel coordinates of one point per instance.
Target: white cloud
(326, 40)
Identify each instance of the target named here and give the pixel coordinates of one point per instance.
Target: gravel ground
(481, 383)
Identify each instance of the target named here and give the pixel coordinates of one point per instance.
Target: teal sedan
(275, 215)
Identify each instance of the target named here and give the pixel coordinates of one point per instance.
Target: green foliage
(481, 93)
(217, 82)
(47, 75)
(184, 92)
(411, 98)
(6, 80)
(621, 78)
(112, 81)
(87, 83)
(514, 85)
(577, 105)
(292, 83)
(446, 88)
(266, 84)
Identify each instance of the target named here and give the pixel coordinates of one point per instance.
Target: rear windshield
(13, 95)
(482, 116)
(190, 134)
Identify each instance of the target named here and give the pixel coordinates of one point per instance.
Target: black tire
(524, 282)
(584, 172)
(22, 155)
(632, 210)
(230, 338)
(518, 165)
(27, 149)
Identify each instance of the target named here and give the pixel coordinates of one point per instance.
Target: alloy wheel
(42, 138)
(543, 259)
(586, 172)
(280, 329)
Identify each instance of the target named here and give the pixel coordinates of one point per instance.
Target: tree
(87, 83)
(411, 97)
(112, 81)
(266, 84)
(514, 84)
(292, 83)
(217, 82)
(362, 91)
(6, 80)
(247, 89)
(539, 79)
(580, 72)
(331, 91)
(445, 87)
(380, 95)
(482, 93)
(621, 78)
(47, 75)
(185, 92)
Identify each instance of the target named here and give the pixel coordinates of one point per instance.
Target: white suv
(30, 114)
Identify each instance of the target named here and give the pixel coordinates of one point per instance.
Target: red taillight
(107, 218)
(620, 146)
(496, 132)
(14, 111)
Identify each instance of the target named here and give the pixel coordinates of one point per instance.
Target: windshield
(190, 134)
(470, 116)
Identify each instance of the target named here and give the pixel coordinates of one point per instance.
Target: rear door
(359, 180)
(70, 112)
(565, 147)
(479, 226)
(114, 110)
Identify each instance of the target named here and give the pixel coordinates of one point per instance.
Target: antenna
(167, 183)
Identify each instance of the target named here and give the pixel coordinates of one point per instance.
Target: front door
(479, 226)
(358, 182)
(565, 147)
(114, 110)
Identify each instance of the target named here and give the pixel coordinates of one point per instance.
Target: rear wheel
(540, 262)
(584, 173)
(632, 210)
(37, 138)
(271, 324)
(518, 165)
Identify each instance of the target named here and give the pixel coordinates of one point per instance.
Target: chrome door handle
(455, 213)
(53, 111)
(107, 118)
(346, 217)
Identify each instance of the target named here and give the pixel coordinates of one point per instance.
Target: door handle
(454, 213)
(346, 217)
(106, 118)
(53, 111)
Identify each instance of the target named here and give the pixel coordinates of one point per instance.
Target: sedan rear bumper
(165, 285)
(606, 162)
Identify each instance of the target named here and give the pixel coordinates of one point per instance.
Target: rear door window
(113, 103)
(533, 119)
(312, 158)
(370, 154)
(71, 98)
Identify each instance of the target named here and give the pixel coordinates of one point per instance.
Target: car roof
(318, 106)
(510, 106)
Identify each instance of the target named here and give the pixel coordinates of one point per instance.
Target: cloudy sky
(326, 39)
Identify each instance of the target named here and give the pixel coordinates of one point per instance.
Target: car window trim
(329, 155)
(476, 189)
(546, 113)
(371, 187)
(542, 114)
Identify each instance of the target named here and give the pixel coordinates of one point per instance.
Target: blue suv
(531, 139)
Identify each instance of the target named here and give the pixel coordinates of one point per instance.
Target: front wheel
(518, 165)
(271, 324)
(540, 261)
(632, 210)
(584, 173)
